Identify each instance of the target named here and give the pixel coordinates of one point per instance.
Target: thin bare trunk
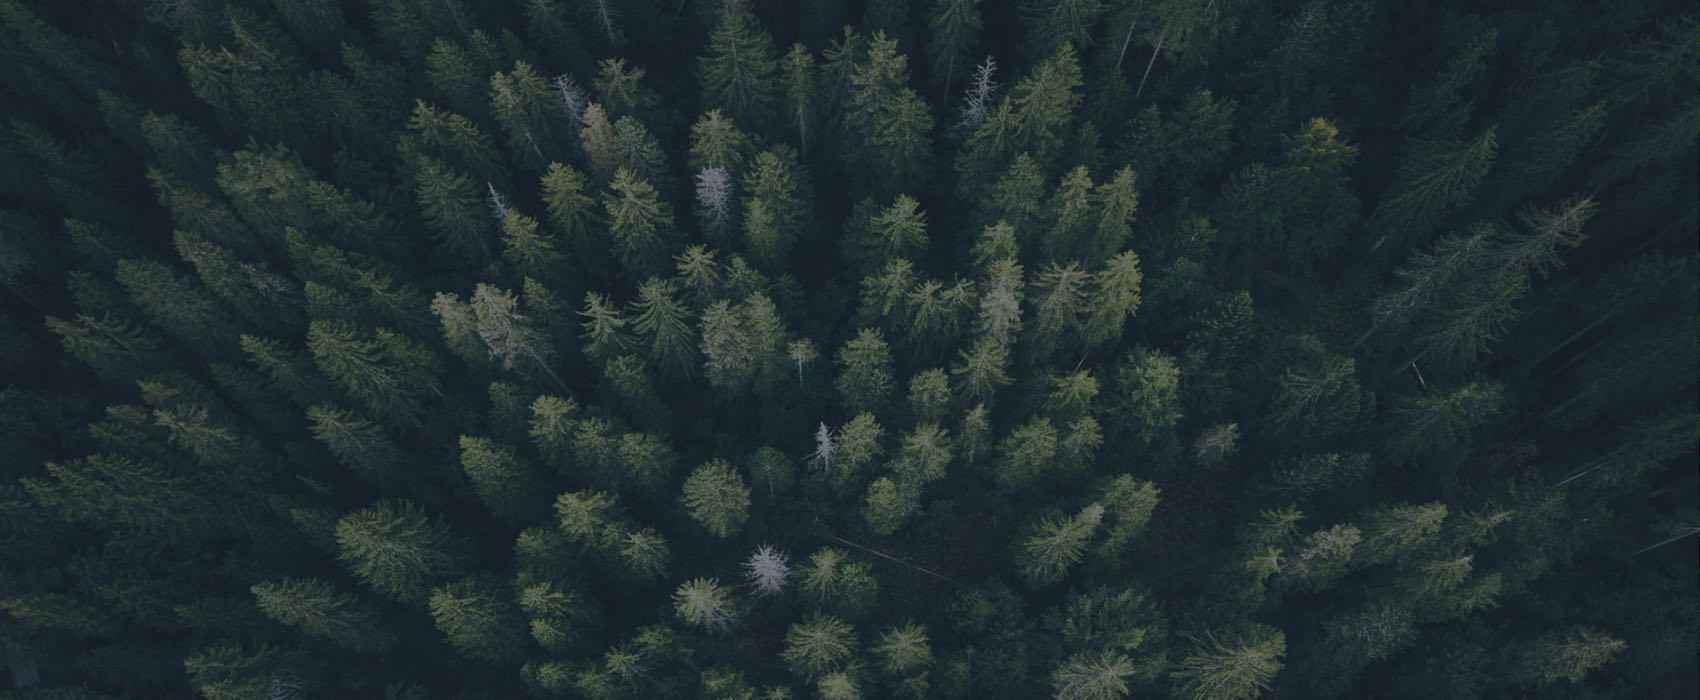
(883, 555)
(1689, 532)
(1573, 337)
(1148, 65)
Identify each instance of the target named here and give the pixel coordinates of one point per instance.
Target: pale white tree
(508, 334)
(825, 450)
(574, 99)
(978, 98)
(499, 206)
(767, 571)
(714, 202)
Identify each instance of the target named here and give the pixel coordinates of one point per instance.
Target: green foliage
(502, 479)
(1235, 666)
(478, 617)
(318, 609)
(397, 550)
(716, 497)
(818, 646)
(1055, 545)
(1075, 348)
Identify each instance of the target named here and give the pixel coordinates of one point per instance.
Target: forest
(838, 349)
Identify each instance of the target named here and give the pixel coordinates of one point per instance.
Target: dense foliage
(761, 349)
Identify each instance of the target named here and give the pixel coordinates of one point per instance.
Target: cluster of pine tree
(763, 349)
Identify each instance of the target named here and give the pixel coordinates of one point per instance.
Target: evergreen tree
(388, 373)
(1239, 666)
(818, 646)
(1056, 545)
(885, 124)
(502, 479)
(956, 28)
(704, 603)
(865, 378)
(716, 497)
(739, 72)
(394, 548)
(478, 618)
(318, 609)
(639, 222)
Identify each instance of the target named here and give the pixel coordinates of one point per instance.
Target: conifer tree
(639, 222)
(479, 619)
(356, 442)
(716, 497)
(661, 322)
(955, 28)
(1093, 676)
(865, 378)
(739, 72)
(393, 547)
(388, 373)
(818, 646)
(502, 479)
(1238, 666)
(1569, 656)
(318, 609)
(885, 124)
(831, 580)
(704, 603)
(1055, 545)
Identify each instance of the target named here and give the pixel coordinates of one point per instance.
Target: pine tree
(478, 617)
(1052, 24)
(605, 334)
(558, 615)
(394, 548)
(356, 442)
(767, 571)
(1093, 676)
(1443, 421)
(1298, 209)
(704, 603)
(716, 497)
(797, 74)
(1238, 666)
(955, 30)
(831, 580)
(929, 395)
(1435, 181)
(1396, 533)
(1569, 656)
(639, 222)
(739, 72)
(865, 378)
(1031, 120)
(886, 507)
(1114, 299)
(450, 206)
(885, 124)
(818, 646)
(502, 479)
(1146, 403)
(661, 322)
(1322, 558)
(388, 373)
(897, 231)
(778, 186)
(117, 493)
(1055, 545)
(318, 609)
(525, 107)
